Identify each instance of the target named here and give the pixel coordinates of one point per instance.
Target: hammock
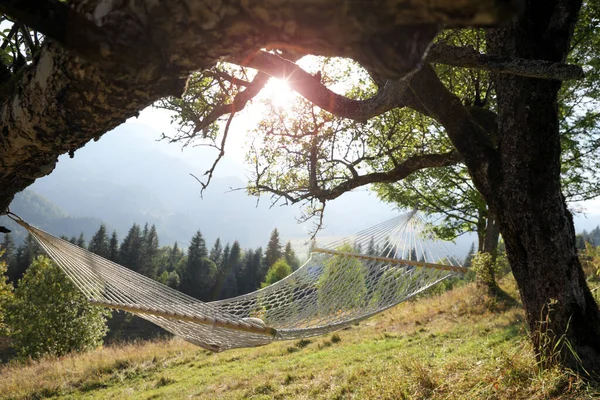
(340, 284)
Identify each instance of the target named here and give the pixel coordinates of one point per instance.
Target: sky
(587, 214)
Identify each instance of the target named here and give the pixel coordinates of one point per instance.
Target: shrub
(50, 316)
(277, 272)
(6, 295)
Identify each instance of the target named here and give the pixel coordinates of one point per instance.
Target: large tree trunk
(536, 226)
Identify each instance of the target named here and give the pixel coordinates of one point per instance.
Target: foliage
(50, 316)
(99, 243)
(273, 251)
(200, 272)
(279, 270)
(343, 283)
(290, 256)
(6, 294)
(486, 270)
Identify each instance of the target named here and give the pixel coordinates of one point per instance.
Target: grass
(456, 345)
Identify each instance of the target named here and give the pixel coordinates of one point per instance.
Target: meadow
(451, 345)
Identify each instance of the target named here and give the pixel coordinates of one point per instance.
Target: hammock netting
(340, 284)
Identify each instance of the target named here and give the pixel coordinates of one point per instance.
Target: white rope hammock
(340, 284)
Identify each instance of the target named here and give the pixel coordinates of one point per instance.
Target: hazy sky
(233, 162)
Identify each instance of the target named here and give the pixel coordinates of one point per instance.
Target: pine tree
(130, 250)
(273, 252)
(290, 256)
(200, 272)
(99, 243)
(469, 256)
(81, 241)
(113, 248)
(227, 282)
(252, 272)
(216, 252)
(26, 253)
(149, 252)
(8, 245)
(371, 250)
(174, 258)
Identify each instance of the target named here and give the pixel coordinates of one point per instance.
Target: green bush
(6, 296)
(277, 272)
(49, 316)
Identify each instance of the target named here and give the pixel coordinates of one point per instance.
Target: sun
(279, 93)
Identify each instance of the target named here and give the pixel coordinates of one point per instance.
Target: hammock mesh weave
(340, 284)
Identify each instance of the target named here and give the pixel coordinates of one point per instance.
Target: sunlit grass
(453, 346)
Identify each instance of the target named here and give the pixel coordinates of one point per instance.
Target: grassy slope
(443, 347)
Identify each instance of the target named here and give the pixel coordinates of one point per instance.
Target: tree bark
(534, 220)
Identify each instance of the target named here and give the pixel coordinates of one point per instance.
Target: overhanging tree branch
(313, 90)
(468, 57)
(399, 172)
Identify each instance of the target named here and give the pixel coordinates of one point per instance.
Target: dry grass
(457, 345)
(50, 376)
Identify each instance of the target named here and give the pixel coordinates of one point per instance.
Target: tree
(216, 253)
(200, 272)
(149, 252)
(99, 243)
(8, 245)
(50, 316)
(469, 256)
(81, 241)
(279, 270)
(26, 253)
(290, 256)
(228, 273)
(108, 74)
(113, 247)
(273, 252)
(6, 294)
(130, 252)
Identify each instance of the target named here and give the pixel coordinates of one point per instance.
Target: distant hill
(39, 211)
(128, 177)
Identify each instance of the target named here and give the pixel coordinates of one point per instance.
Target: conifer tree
(26, 253)
(99, 243)
(130, 250)
(216, 252)
(290, 256)
(175, 257)
(149, 252)
(371, 249)
(252, 272)
(200, 272)
(8, 245)
(273, 252)
(469, 257)
(227, 282)
(113, 247)
(81, 241)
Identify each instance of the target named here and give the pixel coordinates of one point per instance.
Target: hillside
(448, 346)
(128, 177)
(39, 211)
